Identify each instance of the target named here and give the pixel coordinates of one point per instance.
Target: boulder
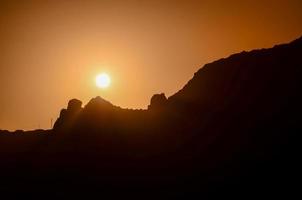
(74, 105)
(158, 101)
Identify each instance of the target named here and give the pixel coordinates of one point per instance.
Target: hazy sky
(52, 50)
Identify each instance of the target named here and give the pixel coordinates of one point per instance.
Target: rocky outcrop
(74, 105)
(68, 115)
(158, 101)
(97, 110)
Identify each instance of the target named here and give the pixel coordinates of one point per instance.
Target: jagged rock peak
(98, 102)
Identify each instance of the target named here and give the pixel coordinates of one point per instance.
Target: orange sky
(52, 50)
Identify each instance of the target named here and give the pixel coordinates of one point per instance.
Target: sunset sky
(51, 51)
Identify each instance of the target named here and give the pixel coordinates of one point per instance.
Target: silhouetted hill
(231, 130)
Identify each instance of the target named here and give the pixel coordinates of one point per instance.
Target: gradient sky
(52, 50)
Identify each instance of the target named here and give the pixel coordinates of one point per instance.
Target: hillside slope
(232, 129)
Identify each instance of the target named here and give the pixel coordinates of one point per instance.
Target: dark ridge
(238, 57)
(232, 130)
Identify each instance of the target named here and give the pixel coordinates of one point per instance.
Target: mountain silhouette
(231, 130)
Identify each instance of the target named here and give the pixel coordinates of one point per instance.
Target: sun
(102, 80)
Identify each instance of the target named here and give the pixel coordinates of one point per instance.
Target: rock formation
(68, 115)
(158, 101)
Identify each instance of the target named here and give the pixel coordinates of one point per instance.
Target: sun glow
(102, 80)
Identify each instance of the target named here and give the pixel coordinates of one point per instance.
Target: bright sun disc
(102, 80)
